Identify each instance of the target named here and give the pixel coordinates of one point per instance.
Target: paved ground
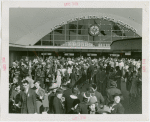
(135, 106)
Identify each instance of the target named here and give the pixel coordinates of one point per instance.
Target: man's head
(59, 93)
(17, 88)
(37, 84)
(25, 84)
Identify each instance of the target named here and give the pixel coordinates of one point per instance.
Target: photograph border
(4, 114)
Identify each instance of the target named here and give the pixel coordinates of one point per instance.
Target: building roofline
(126, 39)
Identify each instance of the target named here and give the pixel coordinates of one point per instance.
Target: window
(79, 31)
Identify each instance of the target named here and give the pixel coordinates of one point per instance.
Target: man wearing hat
(51, 95)
(58, 104)
(112, 91)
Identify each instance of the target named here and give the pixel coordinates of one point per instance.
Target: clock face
(94, 30)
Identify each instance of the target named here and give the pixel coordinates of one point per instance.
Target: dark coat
(117, 109)
(15, 96)
(99, 97)
(28, 102)
(118, 77)
(73, 78)
(83, 108)
(69, 103)
(50, 99)
(58, 106)
(108, 69)
(67, 94)
(90, 71)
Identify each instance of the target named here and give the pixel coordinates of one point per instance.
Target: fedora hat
(59, 91)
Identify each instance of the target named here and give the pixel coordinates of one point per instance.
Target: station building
(74, 32)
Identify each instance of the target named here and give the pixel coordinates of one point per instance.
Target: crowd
(72, 85)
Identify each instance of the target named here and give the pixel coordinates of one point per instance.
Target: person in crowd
(112, 91)
(51, 95)
(83, 79)
(139, 81)
(73, 77)
(84, 105)
(68, 91)
(115, 106)
(39, 97)
(100, 98)
(103, 82)
(42, 77)
(27, 100)
(58, 103)
(108, 67)
(59, 75)
(14, 99)
(92, 104)
(90, 72)
(24, 71)
(134, 89)
(70, 99)
(39, 72)
(104, 76)
(75, 107)
(128, 76)
(118, 77)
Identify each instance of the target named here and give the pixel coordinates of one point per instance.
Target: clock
(94, 30)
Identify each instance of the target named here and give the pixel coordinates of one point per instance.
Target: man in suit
(58, 103)
(27, 99)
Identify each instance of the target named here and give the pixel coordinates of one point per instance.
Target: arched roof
(29, 25)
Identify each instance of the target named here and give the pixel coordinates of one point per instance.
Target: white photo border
(4, 114)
